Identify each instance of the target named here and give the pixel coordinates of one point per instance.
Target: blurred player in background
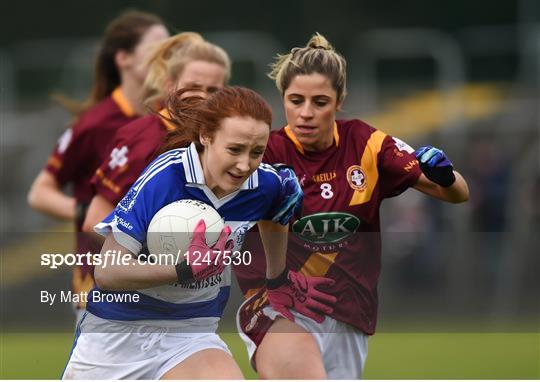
(115, 99)
(184, 60)
(169, 332)
(346, 169)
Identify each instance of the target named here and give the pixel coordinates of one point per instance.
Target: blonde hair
(170, 59)
(318, 56)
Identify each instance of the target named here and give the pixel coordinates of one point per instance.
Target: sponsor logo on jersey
(356, 178)
(124, 223)
(402, 146)
(326, 227)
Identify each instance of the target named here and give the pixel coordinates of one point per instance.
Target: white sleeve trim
(121, 237)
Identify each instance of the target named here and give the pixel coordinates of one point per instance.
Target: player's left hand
(294, 290)
(293, 195)
(435, 165)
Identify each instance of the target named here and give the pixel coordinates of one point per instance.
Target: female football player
(184, 60)
(346, 169)
(115, 100)
(165, 326)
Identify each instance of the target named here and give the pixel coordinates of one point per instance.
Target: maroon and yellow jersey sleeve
(73, 146)
(82, 148)
(132, 149)
(398, 166)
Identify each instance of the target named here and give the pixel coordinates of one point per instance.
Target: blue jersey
(176, 175)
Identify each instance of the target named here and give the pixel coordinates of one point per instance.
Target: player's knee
(299, 368)
(283, 360)
(223, 366)
(217, 365)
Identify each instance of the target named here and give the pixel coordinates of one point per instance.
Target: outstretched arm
(458, 192)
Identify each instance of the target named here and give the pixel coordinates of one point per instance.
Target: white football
(171, 228)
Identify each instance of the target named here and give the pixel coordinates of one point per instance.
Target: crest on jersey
(356, 178)
(128, 201)
(118, 157)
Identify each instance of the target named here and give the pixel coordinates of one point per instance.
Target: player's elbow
(462, 199)
(461, 196)
(457, 199)
(33, 197)
(88, 226)
(38, 196)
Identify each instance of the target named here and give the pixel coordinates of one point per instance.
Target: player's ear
(339, 105)
(204, 139)
(170, 86)
(122, 59)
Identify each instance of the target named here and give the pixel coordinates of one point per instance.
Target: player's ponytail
(318, 41)
(318, 56)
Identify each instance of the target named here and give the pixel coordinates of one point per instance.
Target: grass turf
(391, 355)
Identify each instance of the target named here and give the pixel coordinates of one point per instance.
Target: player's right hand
(293, 290)
(202, 261)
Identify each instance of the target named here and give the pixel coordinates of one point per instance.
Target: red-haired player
(161, 318)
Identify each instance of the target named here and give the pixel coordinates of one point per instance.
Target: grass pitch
(391, 355)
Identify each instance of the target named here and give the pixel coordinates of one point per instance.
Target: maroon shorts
(252, 321)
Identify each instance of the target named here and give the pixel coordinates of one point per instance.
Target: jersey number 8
(326, 191)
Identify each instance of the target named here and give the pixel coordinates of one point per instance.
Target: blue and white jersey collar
(195, 174)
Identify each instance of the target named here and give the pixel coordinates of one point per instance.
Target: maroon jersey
(82, 149)
(79, 152)
(338, 235)
(133, 148)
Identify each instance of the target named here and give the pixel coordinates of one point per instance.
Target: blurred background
(461, 75)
